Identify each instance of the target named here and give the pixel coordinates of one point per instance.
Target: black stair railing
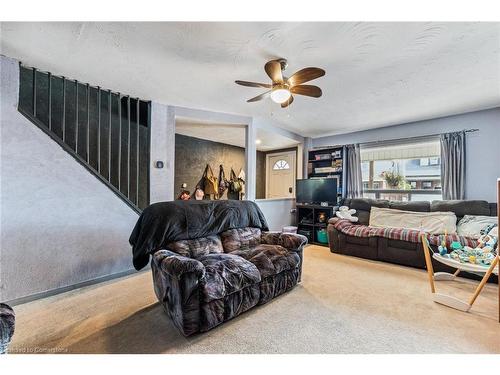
(107, 132)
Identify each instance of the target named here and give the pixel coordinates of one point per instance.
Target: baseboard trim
(53, 292)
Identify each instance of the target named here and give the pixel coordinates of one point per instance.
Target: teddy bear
(345, 213)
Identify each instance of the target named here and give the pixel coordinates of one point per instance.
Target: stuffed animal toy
(345, 213)
(487, 242)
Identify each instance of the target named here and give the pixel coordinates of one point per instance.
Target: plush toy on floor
(345, 213)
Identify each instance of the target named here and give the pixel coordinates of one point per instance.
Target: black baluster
(64, 110)
(34, 92)
(137, 156)
(128, 148)
(99, 129)
(109, 138)
(50, 100)
(88, 123)
(76, 117)
(119, 142)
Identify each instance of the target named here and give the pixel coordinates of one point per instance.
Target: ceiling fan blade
(287, 103)
(254, 84)
(259, 97)
(273, 70)
(304, 75)
(307, 90)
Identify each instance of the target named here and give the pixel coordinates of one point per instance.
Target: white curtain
(354, 184)
(453, 165)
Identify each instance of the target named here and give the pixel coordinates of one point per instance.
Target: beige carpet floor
(343, 305)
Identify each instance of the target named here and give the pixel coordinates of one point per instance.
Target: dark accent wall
(193, 154)
(260, 187)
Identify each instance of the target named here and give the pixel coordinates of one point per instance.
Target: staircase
(107, 132)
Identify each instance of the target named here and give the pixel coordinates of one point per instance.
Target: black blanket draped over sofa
(165, 222)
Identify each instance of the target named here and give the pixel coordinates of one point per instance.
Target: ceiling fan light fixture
(280, 95)
(282, 89)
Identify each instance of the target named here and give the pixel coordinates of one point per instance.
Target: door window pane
(281, 164)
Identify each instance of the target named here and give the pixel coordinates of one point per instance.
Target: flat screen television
(317, 190)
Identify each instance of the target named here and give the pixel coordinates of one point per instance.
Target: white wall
(277, 212)
(483, 147)
(60, 226)
(162, 149)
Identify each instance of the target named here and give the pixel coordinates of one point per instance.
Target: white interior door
(280, 175)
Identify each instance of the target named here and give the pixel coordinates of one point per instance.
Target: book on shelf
(322, 177)
(324, 170)
(322, 157)
(327, 170)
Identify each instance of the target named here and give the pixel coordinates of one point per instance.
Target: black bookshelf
(328, 163)
(311, 218)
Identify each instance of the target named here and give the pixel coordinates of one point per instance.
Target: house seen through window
(406, 171)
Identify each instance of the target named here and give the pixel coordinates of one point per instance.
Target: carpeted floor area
(343, 305)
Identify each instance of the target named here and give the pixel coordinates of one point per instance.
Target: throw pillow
(471, 226)
(430, 222)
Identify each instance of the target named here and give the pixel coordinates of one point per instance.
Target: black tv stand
(310, 219)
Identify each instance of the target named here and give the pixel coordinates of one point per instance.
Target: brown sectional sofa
(396, 251)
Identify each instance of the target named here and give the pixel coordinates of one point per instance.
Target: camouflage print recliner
(203, 282)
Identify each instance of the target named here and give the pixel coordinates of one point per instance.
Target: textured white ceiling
(232, 134)
(378, 74)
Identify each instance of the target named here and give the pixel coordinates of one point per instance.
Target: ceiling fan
(282, 88)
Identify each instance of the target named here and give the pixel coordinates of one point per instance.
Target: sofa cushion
(417, 206)
(462, 208)
(365, 204)
(197, 247)
(226, 274)
(270, 259)
(240, 239)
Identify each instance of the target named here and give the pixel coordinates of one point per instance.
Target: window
(434, 161)
(402, 171)
(281, 164)
(426, 184)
